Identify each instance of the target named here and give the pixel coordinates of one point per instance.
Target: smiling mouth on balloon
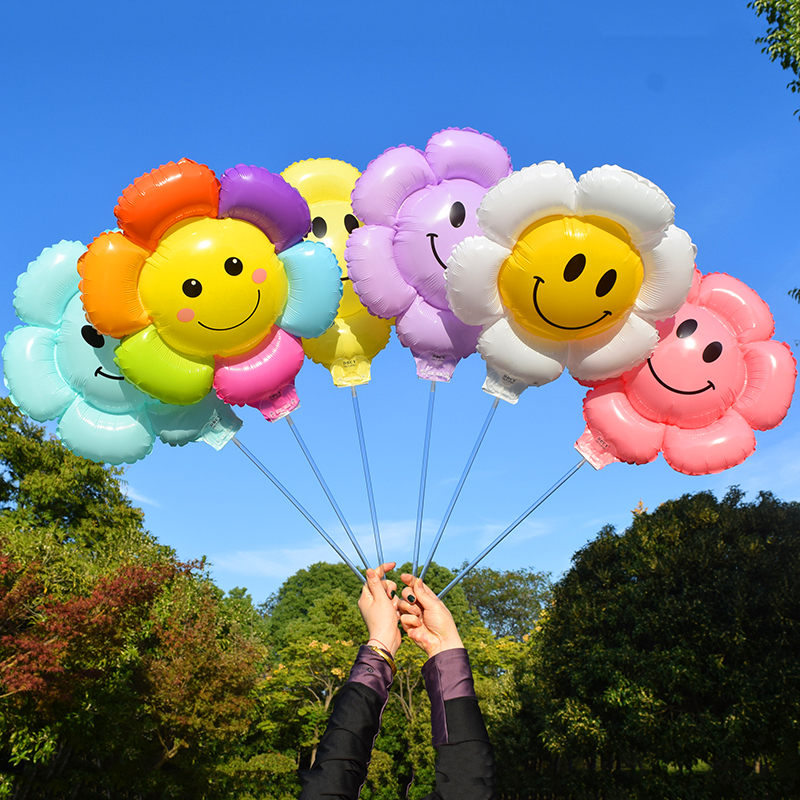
(562, 327)
(433, 236)
(209, 328)
(678, 391)
(99, 373)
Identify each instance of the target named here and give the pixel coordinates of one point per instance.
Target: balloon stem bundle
(459, 487)
(423, 478)
(367, 478)
(293, 427)
(474, 563)
(288, 495)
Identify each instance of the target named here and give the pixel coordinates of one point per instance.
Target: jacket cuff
(371, 669)
(447, 676)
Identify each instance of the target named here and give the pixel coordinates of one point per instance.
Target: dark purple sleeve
(447, 675)
(371, 669)
(344, 751)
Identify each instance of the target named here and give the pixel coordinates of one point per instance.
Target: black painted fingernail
(412, 599)
(394, 593)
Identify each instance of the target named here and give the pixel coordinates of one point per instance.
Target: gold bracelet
(387, 657)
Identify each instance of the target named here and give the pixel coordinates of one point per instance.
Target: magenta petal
(266, 200)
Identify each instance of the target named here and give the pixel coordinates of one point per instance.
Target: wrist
(447, 644)
(381, 642)
(386, 655)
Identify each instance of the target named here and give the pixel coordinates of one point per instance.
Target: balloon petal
(768, 391)
(110, 271)
(472, 273)
(464, 153)
(46, 287)
(156, 369)
(315, 288)
(158, 200)
(532, 193)
(267, 201)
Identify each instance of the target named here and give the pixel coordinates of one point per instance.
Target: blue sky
(96, 94)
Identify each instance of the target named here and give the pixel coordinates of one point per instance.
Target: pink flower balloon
(715, 376)
(416, 207)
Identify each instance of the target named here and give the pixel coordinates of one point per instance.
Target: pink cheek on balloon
(259, 276)
(185, 315)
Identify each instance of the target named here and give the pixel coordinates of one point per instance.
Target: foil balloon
(209, 283)
(715, 376)
(59, 367)
(415, 208)
(356, 336)
(569, 273)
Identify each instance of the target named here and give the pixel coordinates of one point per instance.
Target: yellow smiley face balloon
(213, 286)
(355, 337)
(571, 277)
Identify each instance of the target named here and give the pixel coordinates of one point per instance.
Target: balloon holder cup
(503, 385)
(279, 404)
(595, 449)
(354, 371)
(435, 367)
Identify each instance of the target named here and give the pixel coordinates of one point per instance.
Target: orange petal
(109, 287)
(156, 201)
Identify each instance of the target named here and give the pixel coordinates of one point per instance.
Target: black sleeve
(344, 752)
(465, 768)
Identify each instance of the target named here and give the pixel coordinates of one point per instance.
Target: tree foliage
(671, 648)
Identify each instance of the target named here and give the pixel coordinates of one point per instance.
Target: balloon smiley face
(715, 377)
(696, 372)
(331, 223)
(571, 277)
(429, 225)
(416, 208)
(85, 359)
(203, 275)
(213, 286)
(569, 273)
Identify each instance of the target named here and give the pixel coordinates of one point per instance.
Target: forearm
(465, 768)
(343, 755)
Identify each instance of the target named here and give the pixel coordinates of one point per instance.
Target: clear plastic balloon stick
(459, 487)
(474, 563)
(367, 478)
(423, 478)
(288, 495)
(350, 535)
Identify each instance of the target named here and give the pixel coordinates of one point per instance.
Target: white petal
(471, 277)
(540, 190)
(610, 355)
(628, 199)
(668, 272)
(516, 355)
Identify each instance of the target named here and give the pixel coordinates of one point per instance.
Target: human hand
(378, 607)
(426, 619)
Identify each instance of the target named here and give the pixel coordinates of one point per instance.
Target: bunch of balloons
(212, 291)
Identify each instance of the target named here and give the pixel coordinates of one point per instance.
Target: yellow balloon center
(213, 286)
(571, 277)
(331, 223)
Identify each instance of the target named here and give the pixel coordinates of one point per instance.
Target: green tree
(672, 648)
(122, 672)
(509, 603)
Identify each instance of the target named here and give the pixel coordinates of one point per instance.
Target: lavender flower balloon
(416, 207)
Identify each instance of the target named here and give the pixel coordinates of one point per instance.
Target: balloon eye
(686, 328)
(457, 214)
(92, 337)
(192, 288)
(712, 352)
(232, 266)
(350, 223)
(574, 267)
(319, 227)
(606, 283)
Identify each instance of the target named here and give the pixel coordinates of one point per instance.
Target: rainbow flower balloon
(208, 283)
